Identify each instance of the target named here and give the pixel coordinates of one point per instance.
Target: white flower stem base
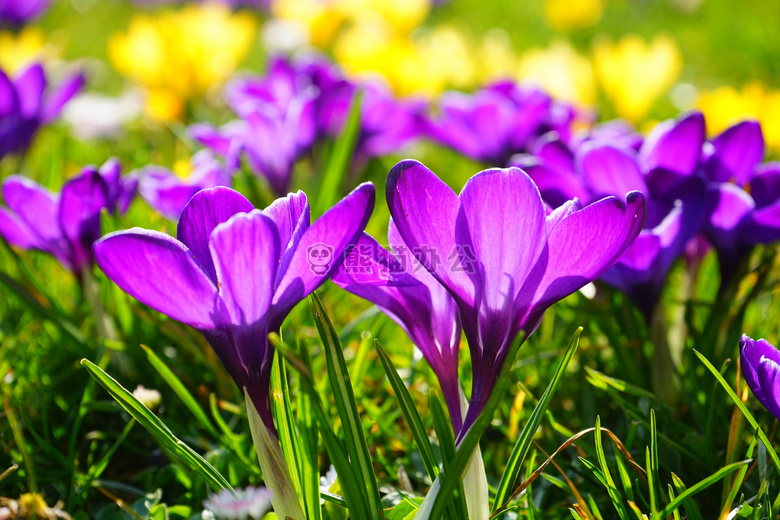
(274, 466)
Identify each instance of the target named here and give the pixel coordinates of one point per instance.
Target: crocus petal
(736, 153)
(334, 231)
(30, 86)
(769, 380)
(751, 353)
(763, 225)
(162, 273)
(583, 245)
(9, 101)
(765, 186)
(81, 200)
(425, 210)
(672, 151)
(506, 245)
(205, 211)
(674, 145)
(245, 251)
(34, 205)
(52, 105)
(292, 218)
(729, 205)
(609, 170)
(16, 232)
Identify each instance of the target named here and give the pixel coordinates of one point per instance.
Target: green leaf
(524, 441)
(699, 486)
(443, 427)
(609, 483)
(341, 155)
(157, 428)
(348, 476)
(340, 385)
(181, 391)
(309, 461)
(410, 413)
(742, 408)
(451, 477)
(282, 411)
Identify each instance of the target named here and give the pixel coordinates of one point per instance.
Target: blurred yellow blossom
(18, 51)
(180, 55)
(634, 74)
(320, 19)
(564, 15)
(426, 63)
(560, 70)
(724, 106)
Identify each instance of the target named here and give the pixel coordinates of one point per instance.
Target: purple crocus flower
(19, 12)
(743, 196)
(27, 103)
(169, 194)
(497, 122)
(64, 224)
(761, 368)
(665, 168)
(235, 272)
(404, 290)
(499, 254)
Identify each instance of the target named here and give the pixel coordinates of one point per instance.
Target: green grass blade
(308, 436)
(157, 428)
(609, 482)
(443, 428)
(451, 477)
(742, 408)
(655, 493)
(340, 157)
(341, 386)
(282, 410)
(523, 444)
(410, 413)
(701, 485)
(181, 391)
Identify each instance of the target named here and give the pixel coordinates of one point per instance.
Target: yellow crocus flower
(19, 51)
(724, 106)
(561, 71)
(320, 19)
(564, 15)
(634, 74)
(179, 55)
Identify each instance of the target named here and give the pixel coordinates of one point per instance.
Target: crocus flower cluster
(761, 368)
(497, 121)
(20, 12)
(28, 102)
(234, 272)
(169, 192)
(502, 270)
(64, 224)
(283, 113)
(694, 188)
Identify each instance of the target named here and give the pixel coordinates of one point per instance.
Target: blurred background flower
(179, 55)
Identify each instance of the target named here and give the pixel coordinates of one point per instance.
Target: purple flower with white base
(250, 503)
(169, 194)
(404, 290)
(761, 368)
(64, 224)
(235, 272)
(515, 260)
(27, 103)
